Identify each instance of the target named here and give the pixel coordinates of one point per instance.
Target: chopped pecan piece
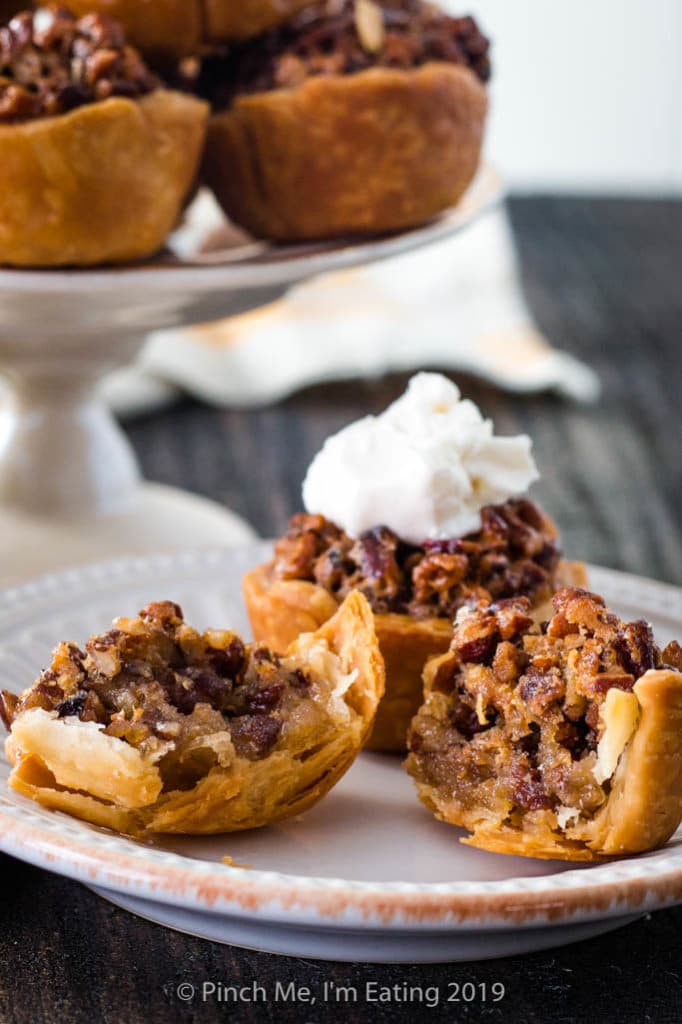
(255, 737)
(437, 576)
(672, 655)
(307, 538)
(636, 648)
(540, 689)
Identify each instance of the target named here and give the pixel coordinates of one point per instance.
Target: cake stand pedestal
(70, 487)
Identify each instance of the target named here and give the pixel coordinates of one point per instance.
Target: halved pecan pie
(562, 740)
(156, 727)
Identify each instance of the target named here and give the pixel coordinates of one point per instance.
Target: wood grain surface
(603, 280)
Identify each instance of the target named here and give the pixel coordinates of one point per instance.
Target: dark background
(603, 280)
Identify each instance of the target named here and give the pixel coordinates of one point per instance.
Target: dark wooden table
(603, 278)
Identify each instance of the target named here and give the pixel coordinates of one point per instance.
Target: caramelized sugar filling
(162, 687)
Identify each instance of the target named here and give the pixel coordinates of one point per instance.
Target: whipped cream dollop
(425, 467)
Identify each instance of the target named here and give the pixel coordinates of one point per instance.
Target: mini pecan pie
(96, 158)
(562, 740)
(355, 117)
(414, 591)
(156, 727)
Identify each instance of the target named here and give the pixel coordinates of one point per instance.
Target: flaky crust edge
(102, 184)
(644, 807)
(234, 796)
(380, 150)
(281, 609)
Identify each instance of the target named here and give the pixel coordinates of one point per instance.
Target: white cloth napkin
(456, 305)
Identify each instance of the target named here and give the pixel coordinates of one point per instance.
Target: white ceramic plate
(367, 875)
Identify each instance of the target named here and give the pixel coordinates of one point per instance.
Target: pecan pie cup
(560, 741)
(415, 593)
(355, 119)
(96, 159)
(155, 728)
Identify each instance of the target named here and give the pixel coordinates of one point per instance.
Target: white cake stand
(70, 487)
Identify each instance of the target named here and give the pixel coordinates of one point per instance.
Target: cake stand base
(160, 519)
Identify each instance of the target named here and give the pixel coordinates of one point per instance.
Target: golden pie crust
(281, 609)
(102, 184)
(72, 766)
(376, 151)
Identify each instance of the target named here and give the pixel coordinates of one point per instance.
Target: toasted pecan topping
(514, 553)
(154, 678)
(51, 62)
(342, 37)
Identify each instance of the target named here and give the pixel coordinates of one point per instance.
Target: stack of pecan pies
(308, 120)
(533, 716)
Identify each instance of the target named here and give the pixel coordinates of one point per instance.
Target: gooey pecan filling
(155, 679)
(514, 553)
(342, 37)
(51, 62)
(512, 722)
